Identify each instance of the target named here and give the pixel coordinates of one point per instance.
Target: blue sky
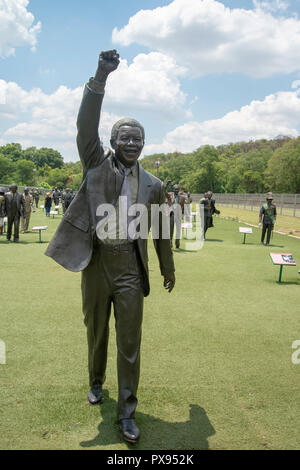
(194, 72)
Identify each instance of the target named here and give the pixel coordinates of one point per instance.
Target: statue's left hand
(169, 281)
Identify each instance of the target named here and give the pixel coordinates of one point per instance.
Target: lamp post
(157, 165)
(34, 172)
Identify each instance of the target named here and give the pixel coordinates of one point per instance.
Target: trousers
(113, 277)
(266, 228)
(175, 220)
(25, 221)
(13, 220)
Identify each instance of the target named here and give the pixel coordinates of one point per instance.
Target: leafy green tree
(283, 171)
(57, 174)
(44, 184)
(48, 156)
(24, 172)
(6, 170)
(76, 182)
(12, 151)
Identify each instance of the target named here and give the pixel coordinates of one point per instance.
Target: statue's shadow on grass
(156, 434)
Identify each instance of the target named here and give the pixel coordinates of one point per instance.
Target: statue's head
(127, 140)
(13, 188)
(209, 194)
(176, 188)
(26, 191)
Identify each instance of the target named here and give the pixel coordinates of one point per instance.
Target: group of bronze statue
(17, 207)
(114, 270)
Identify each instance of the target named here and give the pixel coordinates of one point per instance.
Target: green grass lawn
(216, 366)
(285, 224)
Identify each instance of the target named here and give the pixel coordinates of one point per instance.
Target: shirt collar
(133, 169)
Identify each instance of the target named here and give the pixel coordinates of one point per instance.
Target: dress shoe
(95, 396)
(130, 431)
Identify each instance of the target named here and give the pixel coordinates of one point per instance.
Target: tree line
(257, 166)
(44, 168)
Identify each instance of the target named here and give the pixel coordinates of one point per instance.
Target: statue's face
(26, 191)
(128, 145)
(14, 188)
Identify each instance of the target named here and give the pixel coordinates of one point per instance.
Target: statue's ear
(113, 144)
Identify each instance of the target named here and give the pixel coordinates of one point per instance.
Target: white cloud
(16, 26)
(271, 5)
(149, 84)
(208, 37)
(46, 120)
(277, 114)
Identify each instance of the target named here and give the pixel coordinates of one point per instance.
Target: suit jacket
(73, 243)
(19, 202)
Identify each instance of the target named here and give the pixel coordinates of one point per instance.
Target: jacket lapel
(145, 186)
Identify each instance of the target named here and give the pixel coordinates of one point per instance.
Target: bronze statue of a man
(114, 270)
(14, 209)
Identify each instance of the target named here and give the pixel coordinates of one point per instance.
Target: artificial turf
(216, 370)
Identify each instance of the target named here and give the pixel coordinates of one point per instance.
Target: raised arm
(89, 146)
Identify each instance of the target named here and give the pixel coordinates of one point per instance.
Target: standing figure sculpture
(28, 201)
(187, 206)
(55, 196)
(68, 198)
(36, 196)
(2, 209)
(114, 270)
(14, 209)
(176, 206)
(209, 210)
(267, 217)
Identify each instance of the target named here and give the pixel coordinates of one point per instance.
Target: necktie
(125, 201)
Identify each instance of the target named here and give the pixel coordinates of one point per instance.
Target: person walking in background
(2, 209)
(267, 217)
(48, 204)
(28, 200)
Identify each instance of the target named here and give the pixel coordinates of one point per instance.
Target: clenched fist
(108, 62)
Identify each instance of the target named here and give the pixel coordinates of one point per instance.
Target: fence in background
(287, 204)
